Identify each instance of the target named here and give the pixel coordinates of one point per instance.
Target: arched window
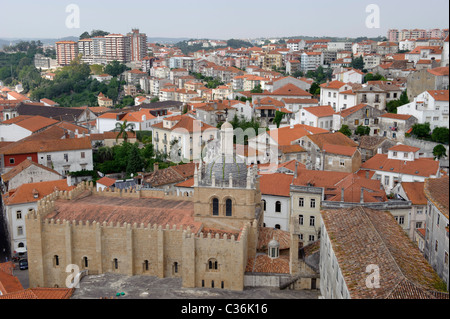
(229, 208)
(212, 264)
(85, 262)
(116, 263)
(56, 260)
(278, 207)
(175, 267)
(145, 265)
(277, 226)
(215, 207)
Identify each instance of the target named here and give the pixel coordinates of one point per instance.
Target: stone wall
(138, 249)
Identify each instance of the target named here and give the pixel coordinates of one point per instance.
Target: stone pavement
(146, 287)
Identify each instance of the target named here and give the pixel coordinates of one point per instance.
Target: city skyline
(200, 19)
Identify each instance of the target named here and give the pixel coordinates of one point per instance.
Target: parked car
(23, 264)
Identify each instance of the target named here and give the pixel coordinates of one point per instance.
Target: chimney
(342, 194)
(296, 170)
(155, 167)
(362, 196)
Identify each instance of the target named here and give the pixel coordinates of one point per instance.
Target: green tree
(257, 89)
(439, 151)
(345, 130)
(278, 117)
(440, 135)
(358, 63)
(122, 129)
(135, 162)
(421, 130)
(362, 130)
(115, 68)
(314, 89)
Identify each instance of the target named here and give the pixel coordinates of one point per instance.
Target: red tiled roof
(339, 149)
(404, 148)
(26, 192)
(276, 184)
(415, 192)
(403, 117)
(377, 239)
(106, 181)
(286, 135)
(439, 95)
(419, 167)
(320, 111)
(436, 190)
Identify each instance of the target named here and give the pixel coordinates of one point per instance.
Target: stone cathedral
(211, 239)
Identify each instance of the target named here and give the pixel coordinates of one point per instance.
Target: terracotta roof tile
(149, 211)
(419, 167)
(415, 192)
(376, 238)
(276, 184)
(436, 190)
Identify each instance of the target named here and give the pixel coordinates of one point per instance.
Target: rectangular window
(19, 231)
(300, 220)
(342, 163)
(66, 157)
(301, 202)
(436, 246)
(311, 238)
(19, 214)
(49, 157)
(386, 180)
(11, 161)
(312, 221)
(83, 155)
(313, 203)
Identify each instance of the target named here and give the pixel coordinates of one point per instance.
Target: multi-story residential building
(376, 261)
(138, 44)
(427, 79)
(436, 236)
(330, 152)
(349, 75)
(44, 63)
(361, 114)
(372, 95)
(317, 116)
(62, 155)
(395, 126)
(338, 95)
(86, 49)
(18, 203)
(407, 45)
(401, 164)
(295, 44)
(117, 48)
(414, 192)
(190, 134)
(99, 50)
(393, 35)
(141, 120)
(384, 48)
(429, 107)
(66, 52)
(424, 53)
(275, 195)
(310, 61)
(371, 61)
(339, 46)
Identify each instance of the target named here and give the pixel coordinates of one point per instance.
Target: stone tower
(227, 194)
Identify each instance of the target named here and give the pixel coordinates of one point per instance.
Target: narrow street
(3, 238)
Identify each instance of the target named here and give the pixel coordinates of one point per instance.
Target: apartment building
(138, 45)
(66, 52)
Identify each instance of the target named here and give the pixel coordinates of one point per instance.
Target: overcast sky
(215, 19)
